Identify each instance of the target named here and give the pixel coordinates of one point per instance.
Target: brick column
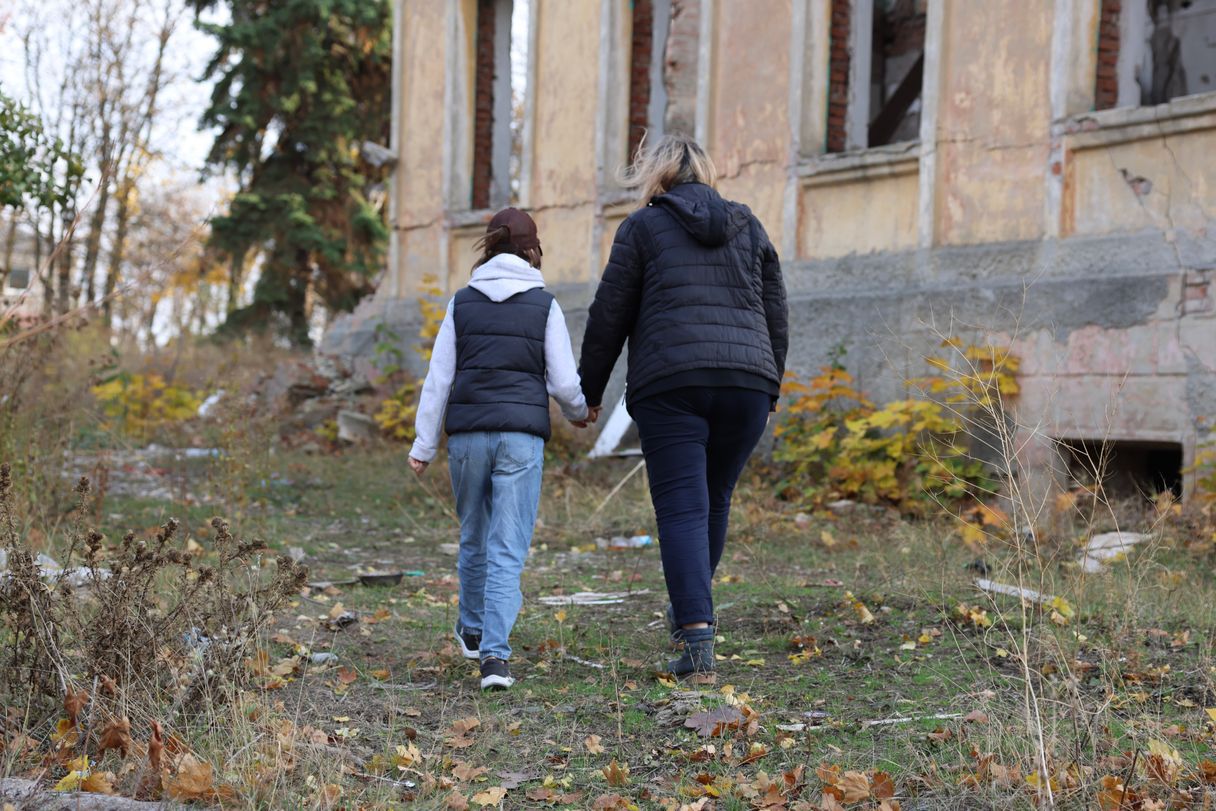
(838, 75)
(483, 106)
(1106, 86)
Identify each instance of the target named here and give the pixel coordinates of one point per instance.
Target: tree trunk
(122, 218)
(92, 245)
(10, 240)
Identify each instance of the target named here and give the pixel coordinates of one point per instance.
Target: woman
(695, 285)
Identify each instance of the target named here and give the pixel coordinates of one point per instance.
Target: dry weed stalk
(144, 629)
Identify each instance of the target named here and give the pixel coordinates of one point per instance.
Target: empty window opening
(520, 42)
(1153, 51)
(875, 73)
(897, 66)
(1124, 469)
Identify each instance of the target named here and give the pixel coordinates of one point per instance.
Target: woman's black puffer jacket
(694, 284)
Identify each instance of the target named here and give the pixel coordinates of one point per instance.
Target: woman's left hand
(419, 467)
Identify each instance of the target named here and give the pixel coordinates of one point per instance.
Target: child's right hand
(419, 467)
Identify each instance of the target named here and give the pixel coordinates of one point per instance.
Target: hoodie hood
(702, 212)
(505, 275)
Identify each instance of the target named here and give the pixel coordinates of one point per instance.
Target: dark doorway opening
(1124, 469)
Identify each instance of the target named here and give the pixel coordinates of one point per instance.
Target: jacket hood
(505, 275)
(702, 212)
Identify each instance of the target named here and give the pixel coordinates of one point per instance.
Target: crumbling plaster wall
(1083, 240)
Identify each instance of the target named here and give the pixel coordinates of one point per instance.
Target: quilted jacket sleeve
(776, 310)
(611, 317)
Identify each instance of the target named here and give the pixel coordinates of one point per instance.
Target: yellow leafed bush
(140, 405)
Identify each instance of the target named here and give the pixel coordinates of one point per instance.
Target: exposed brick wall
(1106, 86)
(483, 106)
(838, 75)
(639, 72)
(680, 66)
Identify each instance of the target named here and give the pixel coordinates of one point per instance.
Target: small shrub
(396, 414)
(140, 406)
(147, 629)
(912, 453)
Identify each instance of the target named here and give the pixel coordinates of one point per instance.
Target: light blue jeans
(496, 480)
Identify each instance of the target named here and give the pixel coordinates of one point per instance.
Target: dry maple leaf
(882, 787)
(829, 803)
(467, 772)
(73, 704)
(195, 780)
(116, 735)
(456, 802)
(711, 723)
(98, 783)
(491, 796)
(976, 717)
(616, 774)
(347, 676)
(593, 744)
(855, 785)
(610, 802)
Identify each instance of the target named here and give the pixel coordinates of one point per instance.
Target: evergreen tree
(300, 85)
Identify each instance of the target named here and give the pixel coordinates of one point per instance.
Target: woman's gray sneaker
(697, 664)
(495, 675)
(675, 631)
(469, 641)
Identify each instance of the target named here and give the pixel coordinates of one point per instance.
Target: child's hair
(497, 241)
(674, 159)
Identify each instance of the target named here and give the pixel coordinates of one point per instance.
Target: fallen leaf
(611, 802)
(882, 787)
(116, 735)
(407, 756)
(976, 717)
(195, 780)
(381, 674)
(346, 675)
(855, 785)
(491, 796)
(73, 704)
(593, 744)
(98, 783)
(711, 723)
(616, 774)
(456, 802)
(467, 772)
(78, 770)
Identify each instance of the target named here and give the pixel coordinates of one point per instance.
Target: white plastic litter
(1014, 591)
(621, 542)
(591, 597)
(324, 658)
(1108, 546)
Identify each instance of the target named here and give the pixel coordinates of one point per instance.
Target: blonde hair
(675, 158)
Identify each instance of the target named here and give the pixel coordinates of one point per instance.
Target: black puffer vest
(500, 364)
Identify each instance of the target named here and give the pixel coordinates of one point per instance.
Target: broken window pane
(896, 69)
(1179, 54)
(18, 278)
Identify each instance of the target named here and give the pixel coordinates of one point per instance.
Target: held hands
(593, 414)
(418, 466)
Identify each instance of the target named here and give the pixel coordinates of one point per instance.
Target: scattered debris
(1014, 591)
(323, 658)
(1107, 547)
(941, 716)
(381, 578)
(296, 553)
(621, 542)
(582, 661)
(355, 427)
(591, 597)
(449, 548)
(841, 506)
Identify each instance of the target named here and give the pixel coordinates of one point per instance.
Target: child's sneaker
(470, 642)
(495, 675)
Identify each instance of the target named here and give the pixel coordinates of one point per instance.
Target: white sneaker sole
(496, 682)
(465, 651)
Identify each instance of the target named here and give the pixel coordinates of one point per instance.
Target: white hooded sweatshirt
(500, 278)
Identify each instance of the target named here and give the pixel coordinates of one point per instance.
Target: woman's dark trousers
(696, 442)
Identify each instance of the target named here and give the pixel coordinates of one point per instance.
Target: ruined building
(1039, 174)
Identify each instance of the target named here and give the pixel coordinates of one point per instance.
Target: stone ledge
(1126, 124)
(845, 167)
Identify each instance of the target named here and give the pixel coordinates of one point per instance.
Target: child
(502, 350)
